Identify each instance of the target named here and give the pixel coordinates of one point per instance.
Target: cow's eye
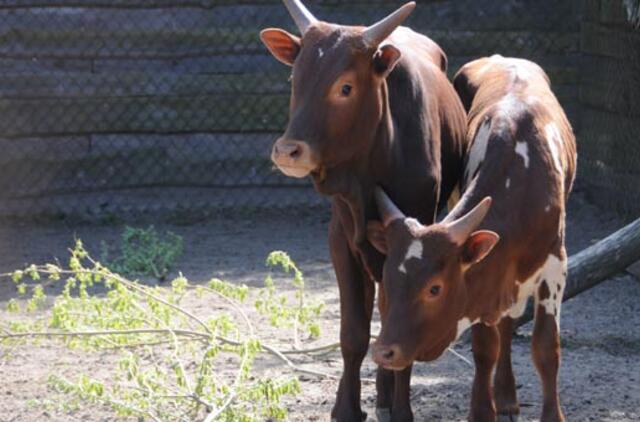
(434, 290)
(346, 90)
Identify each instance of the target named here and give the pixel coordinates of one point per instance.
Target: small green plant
(173, 365)
(300, 315)
(145, 252)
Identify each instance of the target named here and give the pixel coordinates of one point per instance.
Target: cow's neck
(352, 182)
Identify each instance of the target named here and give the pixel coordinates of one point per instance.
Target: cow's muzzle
(293, 158)
(390, 356)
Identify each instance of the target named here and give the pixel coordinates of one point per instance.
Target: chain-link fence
(116, 106)
(610, 97)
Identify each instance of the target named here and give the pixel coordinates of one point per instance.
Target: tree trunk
(599, 262)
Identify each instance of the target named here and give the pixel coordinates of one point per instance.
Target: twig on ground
(460, 356)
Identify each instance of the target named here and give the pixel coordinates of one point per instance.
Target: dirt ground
(599, 379)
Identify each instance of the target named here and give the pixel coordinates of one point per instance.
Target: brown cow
(479, 266)
(369, 105)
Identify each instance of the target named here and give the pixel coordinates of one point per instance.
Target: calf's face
(337, 89)
(424, 290)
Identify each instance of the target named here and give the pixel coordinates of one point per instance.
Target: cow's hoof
(507, 418)
(383, 414)
(363, 416)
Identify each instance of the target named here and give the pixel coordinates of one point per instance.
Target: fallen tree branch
(101, 333)
(597, 263)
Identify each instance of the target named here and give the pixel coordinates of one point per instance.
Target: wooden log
(21, 85)
(442, 14)
(166, 43)
(598, 263)
(155, 4)
(154, 114)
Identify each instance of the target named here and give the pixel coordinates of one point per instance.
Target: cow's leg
(401, 408)
(486, 348)
(504, 383)
(356, 305)
(385, 378)
(394, 401)
(385, 385)
(393, 387)
(546, 336)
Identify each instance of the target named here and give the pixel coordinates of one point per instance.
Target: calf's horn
(386, 208)
(461, 229)
(378, 32)
(300, 14)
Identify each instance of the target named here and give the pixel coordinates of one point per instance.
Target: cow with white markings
(501, 244)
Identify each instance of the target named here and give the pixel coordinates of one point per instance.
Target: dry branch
(599, 262)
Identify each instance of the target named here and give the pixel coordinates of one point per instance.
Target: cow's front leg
(486, 347)
(357, 292)
(385, 385)
(504, 384)
(394, 400)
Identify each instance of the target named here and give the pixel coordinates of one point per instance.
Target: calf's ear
(376, 236)
(478, 246)
(284, 46)
(386, 59)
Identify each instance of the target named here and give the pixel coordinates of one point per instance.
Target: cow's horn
(378, 32)
(386, 208)
(300, 14)
(461, 229)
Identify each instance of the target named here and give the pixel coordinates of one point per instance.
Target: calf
(501, 244)
(369, 105)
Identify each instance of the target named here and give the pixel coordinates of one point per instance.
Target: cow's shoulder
(418, 48)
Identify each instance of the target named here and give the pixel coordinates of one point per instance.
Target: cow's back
(422, 99)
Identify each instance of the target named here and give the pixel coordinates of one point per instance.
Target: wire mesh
(116, 106)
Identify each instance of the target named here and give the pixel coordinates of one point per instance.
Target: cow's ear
(386, 59)
(478, 246)
(284, 46)
(376, 236)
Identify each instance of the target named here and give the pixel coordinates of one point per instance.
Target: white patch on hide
(508, 183)
(522, 149)
(553, 271)
(554, 274)
(414, 251)
(555, 144)
(463, 325)
(525, 291)
(478, 152)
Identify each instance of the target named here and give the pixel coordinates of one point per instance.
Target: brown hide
(525, 156)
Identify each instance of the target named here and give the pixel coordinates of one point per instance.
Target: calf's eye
(434, 290)
(346, 90)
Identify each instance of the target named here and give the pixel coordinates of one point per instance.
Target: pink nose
(287, 150)
(386, 355)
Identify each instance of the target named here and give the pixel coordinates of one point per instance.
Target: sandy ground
(599, 379)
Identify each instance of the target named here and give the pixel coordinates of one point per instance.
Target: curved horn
(461, 229)
(300, 14)
(387, 209)
(378, 32)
